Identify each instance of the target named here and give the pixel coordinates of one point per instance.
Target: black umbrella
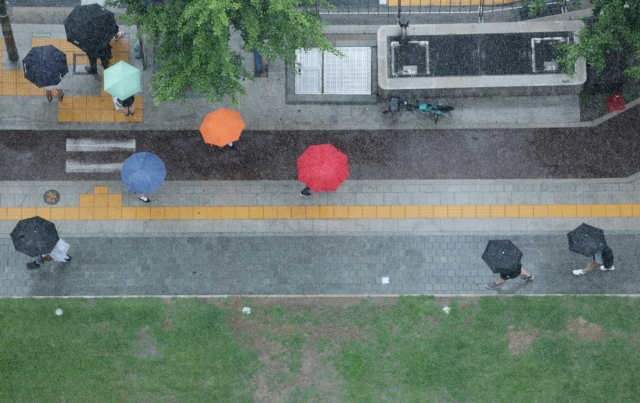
(90, 27)
(35, 236)
(586, 240)
(502, 256)
(45, 65)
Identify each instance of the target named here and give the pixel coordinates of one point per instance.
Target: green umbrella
(122, 80)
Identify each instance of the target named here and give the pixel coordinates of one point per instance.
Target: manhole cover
(51, 196)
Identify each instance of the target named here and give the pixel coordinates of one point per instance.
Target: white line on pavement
(74, 166)
(90, 145)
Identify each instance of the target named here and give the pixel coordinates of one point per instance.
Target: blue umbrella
(45, 65)
(143, 172)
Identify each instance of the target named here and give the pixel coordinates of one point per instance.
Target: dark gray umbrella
(90, 27)
(45, 65)
(502, 256)
(35, 236)
(586, 240)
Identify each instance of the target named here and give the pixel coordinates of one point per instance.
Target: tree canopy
(191, 40)
(615, 26)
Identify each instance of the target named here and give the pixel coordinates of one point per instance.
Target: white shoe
(605, 269)
(578, 272)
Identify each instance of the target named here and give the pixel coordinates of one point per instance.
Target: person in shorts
(508, 276)
(602, 259)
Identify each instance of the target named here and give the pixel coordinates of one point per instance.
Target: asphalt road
(611, 149)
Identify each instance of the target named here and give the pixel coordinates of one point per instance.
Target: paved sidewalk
(158, 251)
(265, 108)
(310, 265)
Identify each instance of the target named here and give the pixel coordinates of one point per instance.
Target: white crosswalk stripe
(96, 145)
(91, 145)
(74, 166)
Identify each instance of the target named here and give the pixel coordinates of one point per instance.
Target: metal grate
(350, 74)
(309, 66)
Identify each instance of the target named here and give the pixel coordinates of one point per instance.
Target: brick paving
(196, 264)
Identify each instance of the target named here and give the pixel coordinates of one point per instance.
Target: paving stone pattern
(277, 265)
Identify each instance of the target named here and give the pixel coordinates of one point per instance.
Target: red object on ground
(615, 102)
(323, 168)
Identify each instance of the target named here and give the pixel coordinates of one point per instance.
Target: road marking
(74, 166)
(91, 145)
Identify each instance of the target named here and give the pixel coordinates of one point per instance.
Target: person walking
(103, 53)
(525, 277)
(602, 259)
(126, 105)
(306, 191)
(59, 91)
(59, 254)
(232, 146)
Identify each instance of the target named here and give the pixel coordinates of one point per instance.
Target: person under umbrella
(122, 81)
(35, 236)
(221, 128)
(59, 254)
(590, 241)
(126, 105)
(91, 27)
(503, 257)
(143, 173)
(45, 66)
(322, 168)
(602, 259)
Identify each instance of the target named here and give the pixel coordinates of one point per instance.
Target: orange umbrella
(221, 127)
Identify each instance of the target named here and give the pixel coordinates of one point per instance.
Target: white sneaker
(578, 272)
(605, 269)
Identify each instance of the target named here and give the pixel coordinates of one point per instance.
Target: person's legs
(497, 283)
(60, 93)
(92, 68)
(144, 198)
(525, 276)
(105, 62)
(592, 265)
(49, 93)
(306, 191)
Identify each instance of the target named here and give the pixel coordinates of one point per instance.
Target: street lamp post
(12, 50)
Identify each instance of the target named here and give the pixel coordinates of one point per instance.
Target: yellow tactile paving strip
(74, 108)
(448, 3)
(97, 109)
(102, 205)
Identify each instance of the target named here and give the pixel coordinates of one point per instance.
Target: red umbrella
(323, 168)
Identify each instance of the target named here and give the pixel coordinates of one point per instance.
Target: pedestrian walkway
(226, 237)
(276, 206)
(265, 107)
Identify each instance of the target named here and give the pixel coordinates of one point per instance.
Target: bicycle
(432, 107)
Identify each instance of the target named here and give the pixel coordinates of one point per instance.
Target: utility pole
(12, 50)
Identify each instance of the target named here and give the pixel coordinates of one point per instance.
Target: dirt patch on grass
(168, 301)
(90, 303)
(316, 378)
(305, 374)
(167, 324)
(444, 301)
(102, 327)
(587, 331)
(519, 342)
(146, 347)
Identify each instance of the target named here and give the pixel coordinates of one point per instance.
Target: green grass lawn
(489, 349)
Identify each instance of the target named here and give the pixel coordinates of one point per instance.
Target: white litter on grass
(59, 312)
(246, 310)
(385, 280)
(446, 310)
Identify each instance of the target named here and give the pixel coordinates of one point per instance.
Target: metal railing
(373, 7)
